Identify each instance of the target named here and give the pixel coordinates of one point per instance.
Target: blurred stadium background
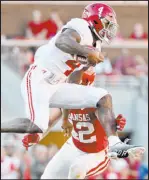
(25, 25)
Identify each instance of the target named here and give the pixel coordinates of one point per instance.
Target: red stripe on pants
(98, 166)
(99, 170)
(29, 93)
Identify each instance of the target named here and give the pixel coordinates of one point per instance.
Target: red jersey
(88, 78)
(48, 25)
(51, 28)
(88, 134)
(36, 27)
(144, 36)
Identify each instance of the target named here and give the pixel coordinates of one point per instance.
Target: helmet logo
(100, 10)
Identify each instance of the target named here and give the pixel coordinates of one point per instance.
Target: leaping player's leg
(37, 109)
(73, 96)
(40, 95)
(107, 119)
(36, 93)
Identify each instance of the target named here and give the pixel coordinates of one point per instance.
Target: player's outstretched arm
(66, 125)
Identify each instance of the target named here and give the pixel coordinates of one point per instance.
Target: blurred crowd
(17, 163)
(38, 28)
(41, 29)
(124, 64)
(128, 168)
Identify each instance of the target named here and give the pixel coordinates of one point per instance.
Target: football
(95, 56)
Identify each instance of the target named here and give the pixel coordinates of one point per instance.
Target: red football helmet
(102, 20)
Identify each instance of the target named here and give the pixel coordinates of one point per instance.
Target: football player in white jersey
(44, 84)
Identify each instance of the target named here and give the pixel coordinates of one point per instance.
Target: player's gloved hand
(30, 139)
(121, 122)
(67, 128)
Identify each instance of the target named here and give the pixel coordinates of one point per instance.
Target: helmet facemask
(109, 31)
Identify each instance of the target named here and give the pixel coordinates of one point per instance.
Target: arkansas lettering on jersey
(88, 135)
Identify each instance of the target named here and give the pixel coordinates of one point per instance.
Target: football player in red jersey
(85, 153)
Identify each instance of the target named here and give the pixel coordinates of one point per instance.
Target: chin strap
(94, 31)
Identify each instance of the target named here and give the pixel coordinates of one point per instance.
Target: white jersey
(58, 62)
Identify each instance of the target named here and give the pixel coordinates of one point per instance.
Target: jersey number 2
(80, 134)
